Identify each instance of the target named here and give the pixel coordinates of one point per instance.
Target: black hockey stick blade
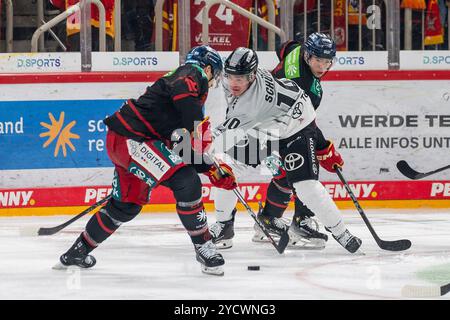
(395, 245)
(56, 229)
(284, 239)
(412, 174)
(283, 243)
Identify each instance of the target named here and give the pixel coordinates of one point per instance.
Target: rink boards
(53, 138)
(373, 194)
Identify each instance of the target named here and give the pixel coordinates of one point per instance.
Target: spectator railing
(9, 26)
(270, 26)
(408, 33)
(64, 15)
(271, 17)
(159, 25)
(392, 8)
(117, 25)
(287, 20)
(40, 19)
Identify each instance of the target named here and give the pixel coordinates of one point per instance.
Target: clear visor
(238, 79)
(217, 76)
(237, 84)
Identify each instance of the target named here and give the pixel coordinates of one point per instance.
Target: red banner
(252, 192)
(434, 33)
(340, 35)
(227, 28)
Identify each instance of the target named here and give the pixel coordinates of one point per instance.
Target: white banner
(134, 61)
(348, 60)
(425, 60)
(361, 60)
(374, 124)
(166, 61)
(40, 62)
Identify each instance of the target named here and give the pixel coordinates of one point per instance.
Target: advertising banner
(54, 134)
(425, 60)
(227, 29)
(375, 124)
(252, 192)
(361, 60)
(134, 61)
(40, 62)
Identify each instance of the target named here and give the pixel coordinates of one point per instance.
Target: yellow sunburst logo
(56, 130)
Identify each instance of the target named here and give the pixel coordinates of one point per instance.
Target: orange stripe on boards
(209, 207)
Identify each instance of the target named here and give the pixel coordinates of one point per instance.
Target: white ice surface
(152, 257)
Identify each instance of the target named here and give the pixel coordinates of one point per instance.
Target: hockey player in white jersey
(280, 113)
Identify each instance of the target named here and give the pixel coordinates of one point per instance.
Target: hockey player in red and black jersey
(139, 145)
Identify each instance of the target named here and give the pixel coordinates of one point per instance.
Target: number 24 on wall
(223, 13)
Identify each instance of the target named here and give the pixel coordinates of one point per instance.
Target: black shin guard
(278, 196)
(193, 219)
(187, 190)
(107, 220)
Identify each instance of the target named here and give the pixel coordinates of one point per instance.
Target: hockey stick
(410, 173)
(284, 239)
(397, 245)
(52, 230)
(425, 291)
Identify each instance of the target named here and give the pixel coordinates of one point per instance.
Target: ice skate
(275, 226)
(348, 241)
(304, 233)
(77, 256)
(222, 234)
(211, 261)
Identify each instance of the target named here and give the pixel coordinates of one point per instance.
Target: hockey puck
(253, 268)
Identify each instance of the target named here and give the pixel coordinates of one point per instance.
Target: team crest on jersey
(297, 110)
(291, 67)
(316, 88)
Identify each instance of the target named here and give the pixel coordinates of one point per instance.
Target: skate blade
(215, 271)
(60, 266)
(304, 245)
(359, 253)
(261, 237)
(224, 244)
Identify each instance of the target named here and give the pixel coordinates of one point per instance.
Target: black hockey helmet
(203, 56)
(242, 61)
(321, 46)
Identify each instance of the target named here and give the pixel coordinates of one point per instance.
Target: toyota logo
(293, 161)
(297, 111)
